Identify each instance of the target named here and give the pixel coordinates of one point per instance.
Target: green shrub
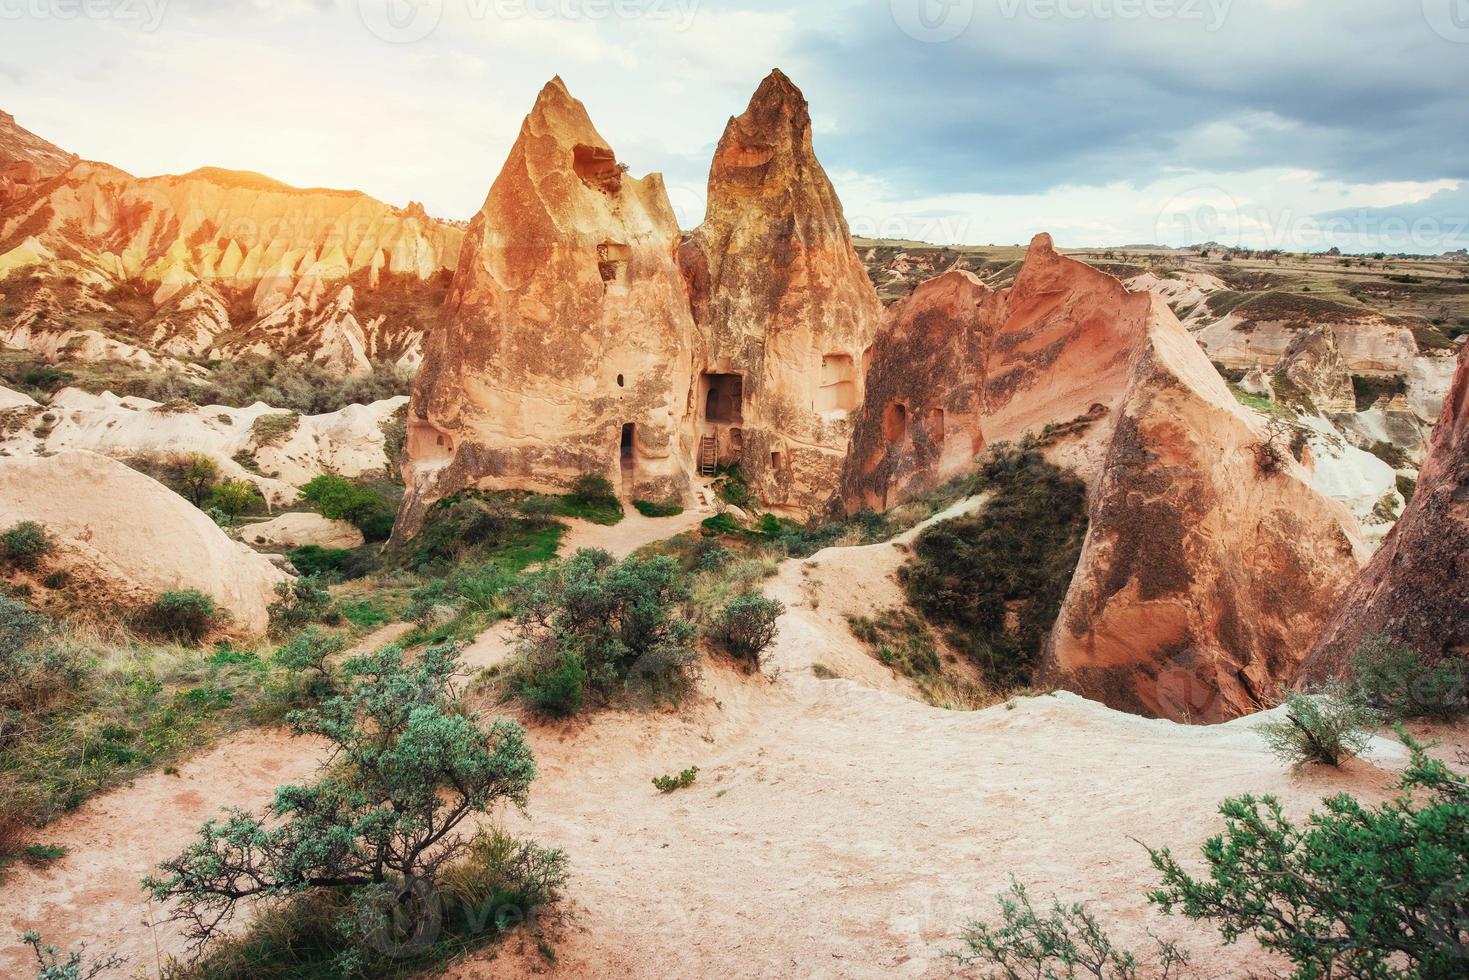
(24, 545)
(45, 853)
(183, 616)
(1358, 891)
(685, 779)
(309, 389)
(340, 499)
(233, 498)
(558, 688)
(192, 475)
(591, 488)
(19, 626)
(650, 508)
(620, 618)
(314, 560)
(1066, 941)
(995, 579)
(299, 602)
(1394, 679)
(363, 612)
(721, 524)
(1326, 726)
(274, 429)
(410, 765)
(73, 967)
(747, 625)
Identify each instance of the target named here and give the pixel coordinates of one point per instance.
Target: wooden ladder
(708, 456)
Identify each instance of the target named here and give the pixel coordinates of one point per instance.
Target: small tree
(1359, 891)
(591, 488)
(25, 544)
(1325, 726)
(197, 475)
(234, 497)
(299, 602)
(747, 625)
(409, 766)
(309, 653)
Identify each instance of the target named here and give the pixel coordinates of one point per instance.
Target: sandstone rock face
(302, 528)
(124, 538)
(961, 366)
(350, 442)
(1416, 588)
(1257, 382)
(15, 399)
(566, 343)
(217, 263)
(1313, 367)
(785, 310)
(1204, 573)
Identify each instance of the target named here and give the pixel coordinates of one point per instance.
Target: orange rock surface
(566, 342)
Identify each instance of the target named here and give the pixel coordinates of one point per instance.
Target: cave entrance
(724, 396)
(627, 456)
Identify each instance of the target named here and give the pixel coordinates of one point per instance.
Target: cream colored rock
(15, 399)
(1257, 382)
(1429, 380)
(124, 538)
(301, 528)
(786, 313)
(349, 442)
(1364, 484)
(1313, 368)
(566, 345)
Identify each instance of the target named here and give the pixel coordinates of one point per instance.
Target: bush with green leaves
(340, 499)
(994, 579)
(184, 616)
(1398, 681)
(308, 654)
(747, 625)
(409, 766)
(316, 561)
(624, 620)
(1065, 941)
(19, 626)
(53, 963)
(1326, 726)
(300, 602)
(1372, 891)
(657, 508)
(685, 779)
(553, 681)
(591, 488)
(232, 498)
(23, 545)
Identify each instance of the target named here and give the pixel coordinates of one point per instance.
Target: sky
(1296, 124)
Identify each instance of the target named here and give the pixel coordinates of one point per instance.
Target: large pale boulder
(124, 538)
(786, 312)
(14, 399)
(565, 345)
(301, 528)
(1416, 588)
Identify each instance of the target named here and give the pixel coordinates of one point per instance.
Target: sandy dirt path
(836, 829)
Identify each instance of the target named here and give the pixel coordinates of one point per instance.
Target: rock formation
(1209, 561)
(1416, 588)
(302, 528)
(962, 366)
(1312, 368)
(351, 442)
(785, 310)
(127, 538)
(565, 346)
(213, 263)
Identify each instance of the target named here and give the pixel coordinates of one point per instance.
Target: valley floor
(837, 827)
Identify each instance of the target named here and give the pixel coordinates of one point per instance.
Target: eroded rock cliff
(1416, 588)
(785, 310)
(566, 342)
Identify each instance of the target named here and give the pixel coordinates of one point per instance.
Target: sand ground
(838, 828)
